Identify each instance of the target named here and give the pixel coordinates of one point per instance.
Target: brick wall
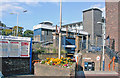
(13, 66)
(113, 24)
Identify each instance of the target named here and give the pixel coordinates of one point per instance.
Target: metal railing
(112, 53)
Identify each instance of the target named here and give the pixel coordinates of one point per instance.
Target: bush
(63, 51)
(54, 50)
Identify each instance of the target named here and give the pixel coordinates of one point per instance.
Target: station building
(44, 31)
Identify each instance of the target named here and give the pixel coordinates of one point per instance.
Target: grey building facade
(90, 25)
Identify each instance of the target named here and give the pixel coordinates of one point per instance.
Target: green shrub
(63, 51)
(54, 50)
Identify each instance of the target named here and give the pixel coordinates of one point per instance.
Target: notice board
(4, 48)
(11, 46)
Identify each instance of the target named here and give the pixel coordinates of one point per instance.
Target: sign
(86, 58)
(24, 49)
(14, 38)
(3, 48)
(98, 58)
(14, 49)
(12, 46)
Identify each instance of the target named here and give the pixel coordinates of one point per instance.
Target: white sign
(3, 48)
(14, 49)
(25, 49)
(98, 58)
(86, 58)
(11, 46)
(14, 38)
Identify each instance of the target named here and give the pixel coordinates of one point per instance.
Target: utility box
(89, 66)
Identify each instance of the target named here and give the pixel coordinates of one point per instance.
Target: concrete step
(97, 74)
(21, 76)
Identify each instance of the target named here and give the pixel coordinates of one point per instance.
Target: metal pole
(87, 43)
(31, 55)
(60, 34)
(103, 46)
(17, 25)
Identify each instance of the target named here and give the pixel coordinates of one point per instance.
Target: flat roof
(92, 9)
(73, 23)
(54, 28)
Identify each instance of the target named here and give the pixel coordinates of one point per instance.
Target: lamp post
(17, 13)
(60, 34)
(103, 28)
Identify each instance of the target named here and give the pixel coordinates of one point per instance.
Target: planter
(47, 70)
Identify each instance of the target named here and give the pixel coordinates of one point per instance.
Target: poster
(3, 48)
(14, 49)
(24, 49)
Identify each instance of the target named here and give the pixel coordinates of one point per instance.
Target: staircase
(70, 41)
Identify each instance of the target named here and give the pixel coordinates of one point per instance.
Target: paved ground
(97, 74)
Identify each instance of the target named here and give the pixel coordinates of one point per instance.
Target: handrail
(113, 60)
(112, 54)
(36, 61)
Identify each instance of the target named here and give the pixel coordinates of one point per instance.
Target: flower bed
(63, 62)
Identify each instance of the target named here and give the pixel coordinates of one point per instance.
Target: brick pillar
(66, 31)
(77, 43)
(55, 40)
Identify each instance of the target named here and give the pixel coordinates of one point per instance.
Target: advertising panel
(25, 49)
(14, 49)
(3, 48)
(12, 46)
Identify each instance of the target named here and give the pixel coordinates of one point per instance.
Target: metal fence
(112, 53)
(91, 47)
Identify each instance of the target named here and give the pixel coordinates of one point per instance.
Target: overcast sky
(44, 11)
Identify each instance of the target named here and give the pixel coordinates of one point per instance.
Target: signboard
(14, 49)
(15, 38)
(3, 48)
(24, 49)
(12, 46)
(98, 58)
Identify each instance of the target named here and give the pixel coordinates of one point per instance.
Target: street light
(17, 13)
(103, 28)
(60, 34)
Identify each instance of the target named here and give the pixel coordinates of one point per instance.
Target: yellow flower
(58, 62)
